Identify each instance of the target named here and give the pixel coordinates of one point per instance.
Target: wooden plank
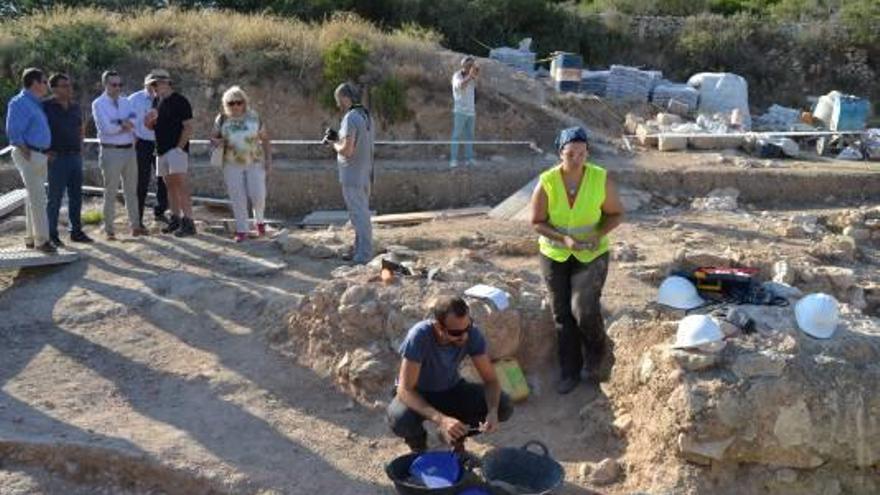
(11, 259)
(429, 216)
(326, 217)
(12, 201)
(195, 199)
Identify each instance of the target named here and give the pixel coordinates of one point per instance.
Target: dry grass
(213, 43)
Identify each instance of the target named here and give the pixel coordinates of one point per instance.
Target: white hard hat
(817, 315)
(699, 331)
(679, 293)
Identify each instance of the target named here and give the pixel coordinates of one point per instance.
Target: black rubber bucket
(398, 471)
(529, 472)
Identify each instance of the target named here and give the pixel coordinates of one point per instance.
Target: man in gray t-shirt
(430, 386)
(354, 152)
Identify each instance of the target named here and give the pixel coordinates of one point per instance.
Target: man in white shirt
(145, 148)
(114, 119)
(463, 111)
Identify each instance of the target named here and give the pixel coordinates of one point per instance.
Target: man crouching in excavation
(429, 386)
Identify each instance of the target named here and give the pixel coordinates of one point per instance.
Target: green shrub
(388, 101)
(862, 20)
(80, 48)
(345, 60)
(8, 89)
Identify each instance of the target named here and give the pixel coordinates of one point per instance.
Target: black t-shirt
(66, 126)
(173, 111)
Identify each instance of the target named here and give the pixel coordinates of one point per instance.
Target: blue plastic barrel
(851, 113)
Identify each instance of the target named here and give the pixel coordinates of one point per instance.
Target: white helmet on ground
(679, 293)
(699, 332)
(817, 315)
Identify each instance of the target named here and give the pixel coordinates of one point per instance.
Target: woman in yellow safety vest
(574, 206)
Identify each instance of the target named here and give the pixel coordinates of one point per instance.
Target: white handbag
(217, 151)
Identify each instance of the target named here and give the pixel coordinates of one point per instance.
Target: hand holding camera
(330, 136)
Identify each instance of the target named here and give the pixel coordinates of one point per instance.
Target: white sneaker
(453, 164)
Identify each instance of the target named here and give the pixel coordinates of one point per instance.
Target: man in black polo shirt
(65, 158)
(173, 126)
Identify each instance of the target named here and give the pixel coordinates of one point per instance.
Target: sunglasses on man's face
(459, 333)
(116, 85)
(234, 103)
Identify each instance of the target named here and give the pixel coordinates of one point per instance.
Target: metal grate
(11, 259)
(12, 201)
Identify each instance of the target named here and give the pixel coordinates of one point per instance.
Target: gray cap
(349, 91)
(466, 59)
(157, 75)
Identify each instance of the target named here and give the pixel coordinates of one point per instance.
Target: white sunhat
(699, 332)
(679, 293)
(817, 315)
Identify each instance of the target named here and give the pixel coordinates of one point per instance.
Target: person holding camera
(464, 112)
(114, 119)
(354, 152)
(247, 158)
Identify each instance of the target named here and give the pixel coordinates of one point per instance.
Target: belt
(117, 146)
(151, 141)
(38, 150)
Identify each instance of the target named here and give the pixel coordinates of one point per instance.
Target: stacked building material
(566, 70)
(682, 93)
(595, 82)
(628, 84)
(523, 60)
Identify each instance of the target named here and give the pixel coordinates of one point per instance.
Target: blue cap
(436, 469)
(571, 135)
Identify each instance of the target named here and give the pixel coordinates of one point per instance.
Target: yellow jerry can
(512, 379)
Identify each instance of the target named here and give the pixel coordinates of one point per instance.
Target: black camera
(330, 135)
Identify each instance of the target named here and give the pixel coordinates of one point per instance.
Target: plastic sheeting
(722, 92)
(778, 118)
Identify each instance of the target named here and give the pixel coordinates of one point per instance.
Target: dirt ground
(145, 366)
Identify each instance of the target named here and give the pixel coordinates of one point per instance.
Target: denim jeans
(462, 130)
(65, 174)
(357, 202)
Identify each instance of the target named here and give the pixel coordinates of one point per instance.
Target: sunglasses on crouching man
(457, 333)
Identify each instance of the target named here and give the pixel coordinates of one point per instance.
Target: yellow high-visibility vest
(578, 220)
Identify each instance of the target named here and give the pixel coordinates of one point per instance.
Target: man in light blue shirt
(142, 102)
(28, 130)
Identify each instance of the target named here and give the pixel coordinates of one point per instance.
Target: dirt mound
(774, 412)
(349, 328)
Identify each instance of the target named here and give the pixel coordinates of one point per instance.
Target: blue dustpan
(436, 469)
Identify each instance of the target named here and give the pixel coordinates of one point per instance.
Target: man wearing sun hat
(173, 123)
